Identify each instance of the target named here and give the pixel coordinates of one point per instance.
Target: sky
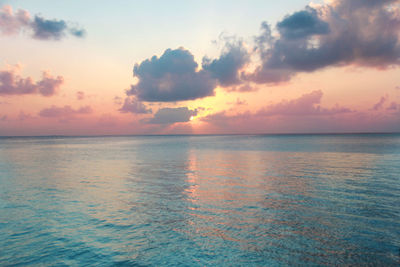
(199, 67)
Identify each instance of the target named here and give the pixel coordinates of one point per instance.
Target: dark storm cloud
(226, 68)
(41, 28)
(363, 33)
(12, 84)
(172, 115)
(132, 105)
(171, 77)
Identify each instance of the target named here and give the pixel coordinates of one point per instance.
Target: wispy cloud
(307, 105)
(64, 112)
(379, 104)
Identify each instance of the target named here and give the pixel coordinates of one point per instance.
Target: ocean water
(297, 200)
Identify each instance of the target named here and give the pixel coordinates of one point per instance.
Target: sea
(213, 200)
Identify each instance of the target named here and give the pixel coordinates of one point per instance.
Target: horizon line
(222, 134)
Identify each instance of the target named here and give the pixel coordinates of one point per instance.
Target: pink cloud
(64, 112)
(13, 84)
(380, 103)
(393, 106)
(24, 116)
(40, 28)
(238, 102)
(11, 23)
(303, 114)
(80, 95)
(306, 105)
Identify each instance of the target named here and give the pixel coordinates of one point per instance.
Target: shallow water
(200, 200)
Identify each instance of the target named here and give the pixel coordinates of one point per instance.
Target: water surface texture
(294, 200)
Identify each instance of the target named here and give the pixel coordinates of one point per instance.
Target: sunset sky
(199, 67)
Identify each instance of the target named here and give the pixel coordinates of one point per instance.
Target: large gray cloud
(171, 77)
(172, 115)
(302, 24)
(364, 33)
(226, 68)
(41, 28)
(12, 84)
(358, 32)
(174, 76)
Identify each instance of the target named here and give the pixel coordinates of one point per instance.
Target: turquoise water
(307, 200)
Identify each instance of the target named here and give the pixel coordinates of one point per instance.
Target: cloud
(64, 112)
(362, 33)
(80, 95)
(172, 115)
(393, 106)
(302, 24)
(13, 84)
(77, 32)
(380, 103)
(238, 102)
(118, 100)
(48, 29)
(226, 68)
(305, 105)
(171, 77)
(12, 23)
(132, 105)
(242, 88)
(40, 28)
(24, 116)
(3, 118)
(175, 76)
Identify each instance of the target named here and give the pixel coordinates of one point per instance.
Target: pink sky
(327, 67)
